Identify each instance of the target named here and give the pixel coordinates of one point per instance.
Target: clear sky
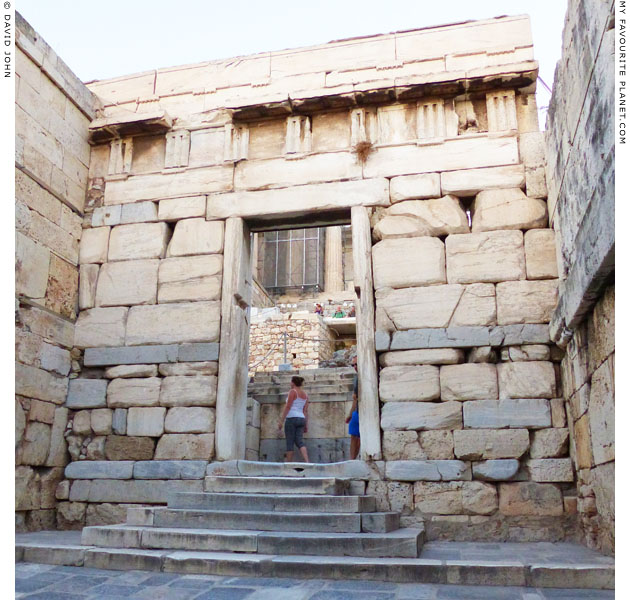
(99, 40)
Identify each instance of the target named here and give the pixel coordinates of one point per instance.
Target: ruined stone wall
(475, 437)
(474, 434)
(53, 110)
(309, 341)
(580, 171)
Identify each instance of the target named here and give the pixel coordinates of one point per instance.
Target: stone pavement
(49, 582)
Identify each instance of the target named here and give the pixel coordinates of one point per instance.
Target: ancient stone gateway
(427, 144)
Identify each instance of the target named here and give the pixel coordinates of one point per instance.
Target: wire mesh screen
(294, 258)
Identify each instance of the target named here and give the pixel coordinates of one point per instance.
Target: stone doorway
(239, 289)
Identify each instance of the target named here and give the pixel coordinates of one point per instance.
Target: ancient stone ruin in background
(481, 266)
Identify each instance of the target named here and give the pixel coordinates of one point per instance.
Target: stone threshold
(542, 565)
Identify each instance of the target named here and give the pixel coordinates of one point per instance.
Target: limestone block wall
(435, 132)
(309, 341)
(474, 429)
(52, 113)
(580, 171)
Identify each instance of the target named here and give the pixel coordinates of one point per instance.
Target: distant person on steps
(353, 418)
(295, 419)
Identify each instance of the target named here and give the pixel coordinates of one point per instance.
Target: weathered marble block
(139, 240)
(94, 245)
(490, 444)
(139, 491)
(526, 301)
(124, 447)
(173, 209)
(99, 327)
(139, 212)
(437, 306)
(430, 356)
(530, 413)
(414, 218)
(532, 379)
(127, 371)
(525, 353)
(106, 215)
(421, 415)
(173, 323)
(190, 278)
(530, 498)
(495, 470)
(550, 443)
(145, 421)
(170, 469)
(86, 393)
(88, 277)
(427, 470)
(469, 382)
(128, 282)
(472, 181)
(196, 236)
(485, 257)
(99, 469)
(189, 368)
(185, 446)
(548, 470)
(455, 498)
(409, 383)
(507, 209)
(414, 187)
(408, 262)
(189, 391)
(128, 356)
(119, 421)
(195, 419)
(101, 421)
(124, 393)
(540, 254)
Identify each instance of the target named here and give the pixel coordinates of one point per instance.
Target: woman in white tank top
(295, 419)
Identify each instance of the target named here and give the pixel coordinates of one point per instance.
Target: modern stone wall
(53, 111)
(309, 341)
(580, 169)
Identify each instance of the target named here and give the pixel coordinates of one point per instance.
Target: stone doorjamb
(236, 296)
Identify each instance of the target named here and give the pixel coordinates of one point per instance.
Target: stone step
(273, 502)
(276, 485)
(264, 520)
(510, 570)
(404, 543)
(347, 469)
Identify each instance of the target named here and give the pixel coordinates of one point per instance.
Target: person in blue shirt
(353, 417)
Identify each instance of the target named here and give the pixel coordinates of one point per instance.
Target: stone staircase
(303, 521)
(265, 515)
(322, 385)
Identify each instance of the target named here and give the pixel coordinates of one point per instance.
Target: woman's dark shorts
(294, 430)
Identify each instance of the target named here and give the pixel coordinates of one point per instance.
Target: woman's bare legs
(304, 453)
(355, 445)
(288, 456)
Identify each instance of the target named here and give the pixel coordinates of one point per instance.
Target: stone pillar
(369, 411)
(231, 411)
(333, 270)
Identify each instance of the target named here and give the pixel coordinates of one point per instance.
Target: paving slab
(79, 583)
(538, 567)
